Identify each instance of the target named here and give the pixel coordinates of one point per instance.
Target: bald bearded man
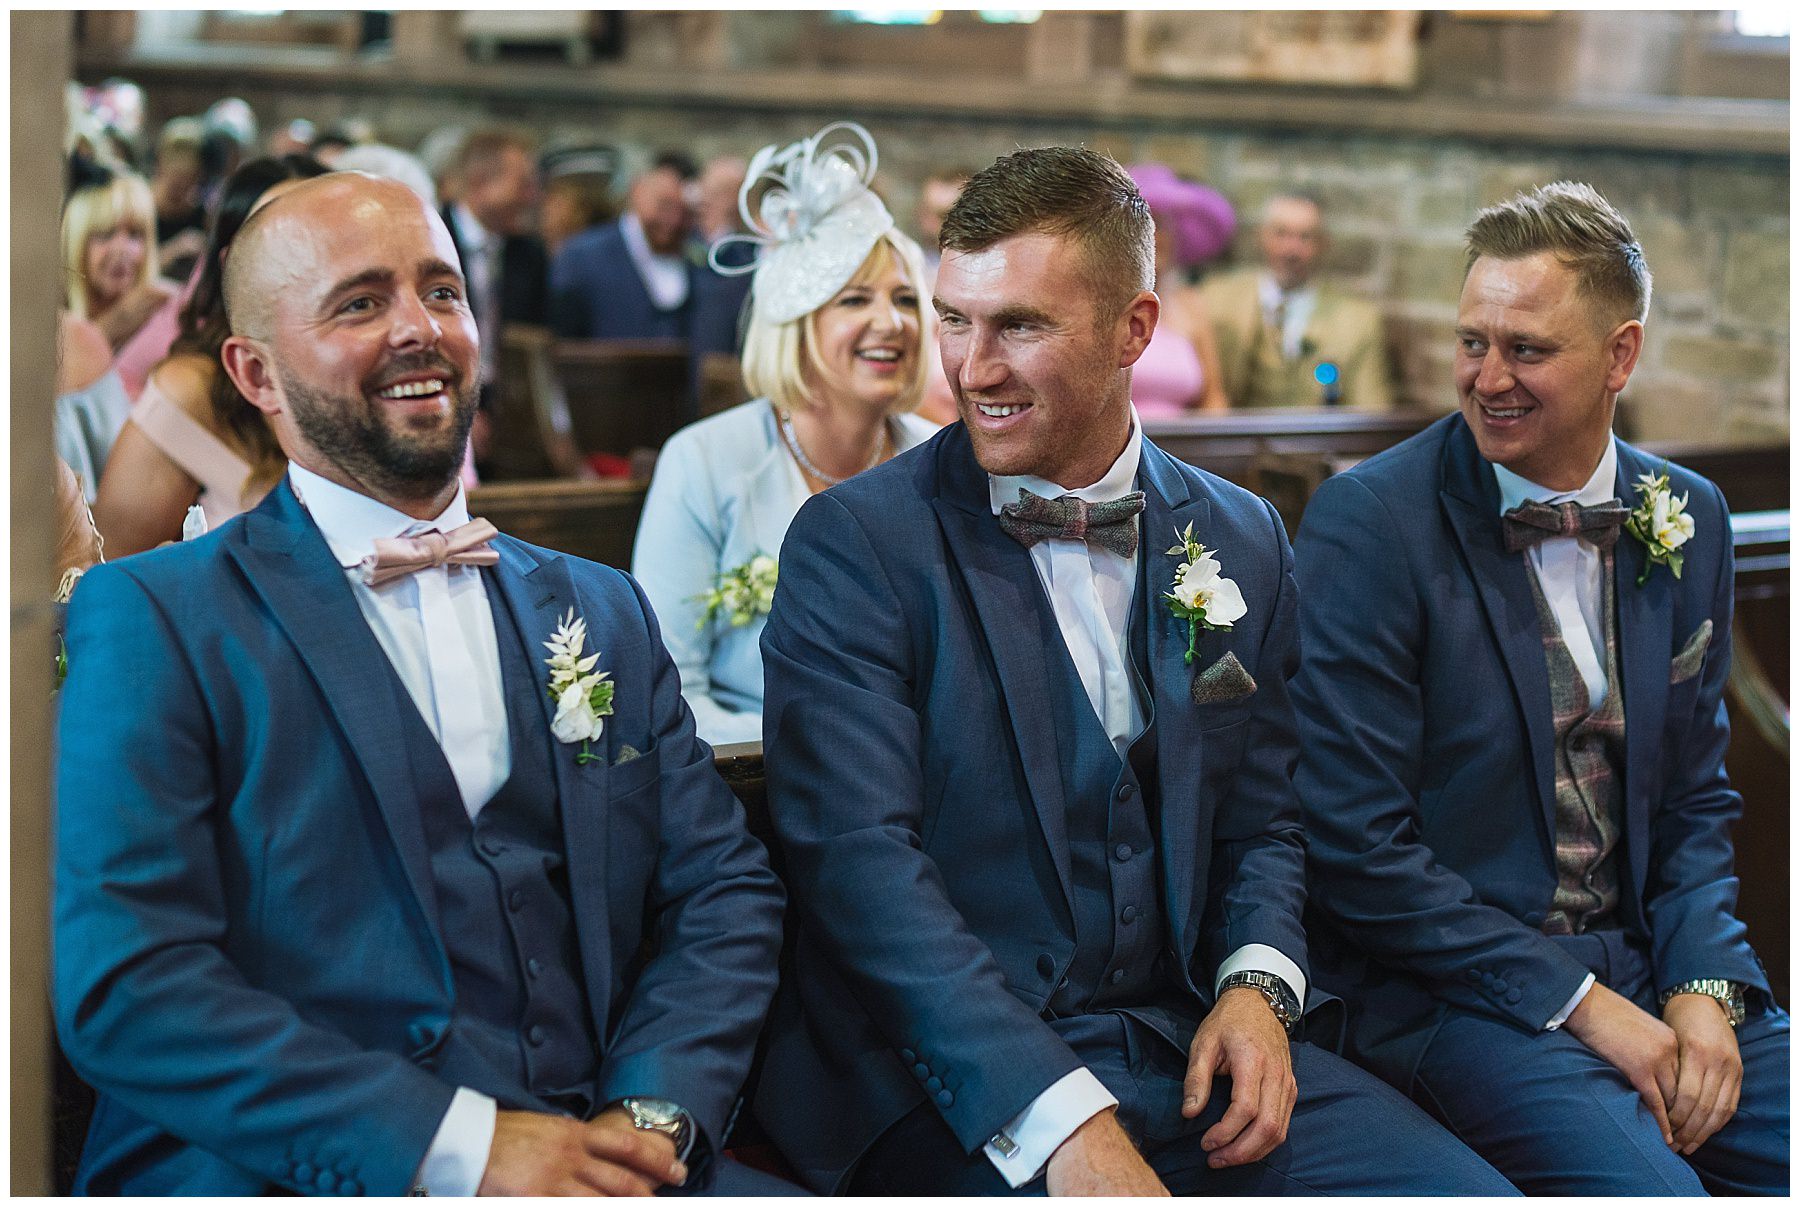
(354, 892)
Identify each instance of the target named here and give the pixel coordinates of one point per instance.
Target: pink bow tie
(396, 557)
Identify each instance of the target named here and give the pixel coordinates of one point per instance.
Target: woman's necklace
(793, 443)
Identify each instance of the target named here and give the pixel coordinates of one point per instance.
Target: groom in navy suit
(1516, 633)
(1041, 835)
(346, 899)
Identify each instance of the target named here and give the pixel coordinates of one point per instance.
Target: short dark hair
(1578, 226)
(1064, 191)
(479, 156)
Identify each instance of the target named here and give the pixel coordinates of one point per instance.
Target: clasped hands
(1685, 1066)
(1242, 1039)
(536, 1154)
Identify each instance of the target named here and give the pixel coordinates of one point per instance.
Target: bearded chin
(395, 460)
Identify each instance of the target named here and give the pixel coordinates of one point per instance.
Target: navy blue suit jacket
(596, 292)
(1427, 769)
(248, 965)
(914, 783)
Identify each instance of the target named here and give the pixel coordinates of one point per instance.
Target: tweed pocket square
(1687, 663)
(627, 752)
(1223, 682)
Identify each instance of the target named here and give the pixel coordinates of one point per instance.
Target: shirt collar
(475, 235)
(1115, 482)
(1272, 295)
(351, 521)
(638, 246)
(1515, 490)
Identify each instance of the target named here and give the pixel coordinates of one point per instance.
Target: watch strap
(1729, 995)
(1275, 991)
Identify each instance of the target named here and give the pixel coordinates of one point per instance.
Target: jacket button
(907, 1054)
(921, 1071)
(1129, 914)
(536, 1035)
(304, 1172)
(515, 900)
(492, 846)
(1126, 791)
(1118, 974)
(533, 968)
(1499, 986)
(1474, 974)
(1514, 996)
(350, 1186)
(945, 1098)
(327, 1181)
(1122, 852)
(1046, 967)
(934, 1085)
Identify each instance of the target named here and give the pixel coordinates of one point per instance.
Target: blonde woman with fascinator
(835, 353)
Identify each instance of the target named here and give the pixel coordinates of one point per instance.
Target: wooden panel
(1351, 48)
(1238, 445)
(624, 394)
(595, 520)
(1753, 477)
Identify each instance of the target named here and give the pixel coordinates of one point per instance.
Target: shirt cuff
(458, 1155)
(1562, 1016)
(1022, 1148)
(1260, 957)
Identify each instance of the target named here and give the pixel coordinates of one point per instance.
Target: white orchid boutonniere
(741, 594)
(1660, 522)
(1202, 596)
(582, 694)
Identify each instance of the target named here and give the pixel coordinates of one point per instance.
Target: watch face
(656, 1113)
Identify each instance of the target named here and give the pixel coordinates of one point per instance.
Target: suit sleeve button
(1515, 996)
(921, 1070)
(304, 1172)
(327, 1181)
(1046, 967)
(946, 1099)
(1474, 974)
(934, 1085)
(906, 1054)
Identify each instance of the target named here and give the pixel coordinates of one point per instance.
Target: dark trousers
(1350, 1134)
(1573, 1125)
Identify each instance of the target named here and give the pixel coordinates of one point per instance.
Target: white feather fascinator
(816, 221)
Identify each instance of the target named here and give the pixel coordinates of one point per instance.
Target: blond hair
(781, 360)
(94, 210)
(1574, 223)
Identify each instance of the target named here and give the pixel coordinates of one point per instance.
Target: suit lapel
(288, 565)
(537, 595)
(1183, 817)
(1646, 617)
(1004, 586)
(1471, 502)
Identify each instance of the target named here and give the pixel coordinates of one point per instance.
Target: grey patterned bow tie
(1532, 523)
(1109, 525)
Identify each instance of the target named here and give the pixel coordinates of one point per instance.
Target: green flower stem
(1193, 640)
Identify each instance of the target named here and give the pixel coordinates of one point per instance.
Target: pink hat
(1203, 221)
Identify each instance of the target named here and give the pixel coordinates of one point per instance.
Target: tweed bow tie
(1034, 518)
(396, 557)
(1531, 523)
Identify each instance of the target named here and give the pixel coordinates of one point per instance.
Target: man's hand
(1098, 1158)
(1633, 1042)
(1243, 1039)
(1710, 1073)
(537, 1154)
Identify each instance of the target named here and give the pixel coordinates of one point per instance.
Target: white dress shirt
(1090, 591)
(665, 277)
(1301, 303)
(453, 676)
(482, 250)
(1569, 571)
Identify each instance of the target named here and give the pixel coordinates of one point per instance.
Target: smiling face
(865, 340)
(1292, 237)
(114, 262)
(365, 356)
(1538, 370)
(1040, 372)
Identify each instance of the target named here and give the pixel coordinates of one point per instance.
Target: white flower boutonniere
(741, 594)
(1202, 596)
(583, 696)
(1660, 522)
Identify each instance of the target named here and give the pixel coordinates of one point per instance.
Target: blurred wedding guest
(629, 279)
(175, 188)
(937, 193)
(192, 439)
(835, 353)
(715, 197)
(391, 163)
(109, 253)
(1179, 371)
(1287, 338)
(295, 138)
(438, 151)
(721, 298)
(91, 403)
(577, 193)
(503, 262)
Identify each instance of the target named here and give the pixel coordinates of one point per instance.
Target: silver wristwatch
(1729, 995)
(663, 1117)
(1281, 999)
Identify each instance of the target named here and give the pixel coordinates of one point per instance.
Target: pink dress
(1167, 378)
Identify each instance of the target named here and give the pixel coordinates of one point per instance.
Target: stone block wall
(1714, 228)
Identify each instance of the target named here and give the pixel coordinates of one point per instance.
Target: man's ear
(1136, 326)
(247, 363)
(1623, 347)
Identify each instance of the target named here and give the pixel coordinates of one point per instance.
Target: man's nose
(1495, 375)
(413, 323)
(982, 368)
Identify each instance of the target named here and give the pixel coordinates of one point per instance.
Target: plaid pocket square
(1224, 682)
(627, 752)
(1687, 663)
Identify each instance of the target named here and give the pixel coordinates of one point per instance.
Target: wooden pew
(529, 413)
(596, 519)
(623, 395)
